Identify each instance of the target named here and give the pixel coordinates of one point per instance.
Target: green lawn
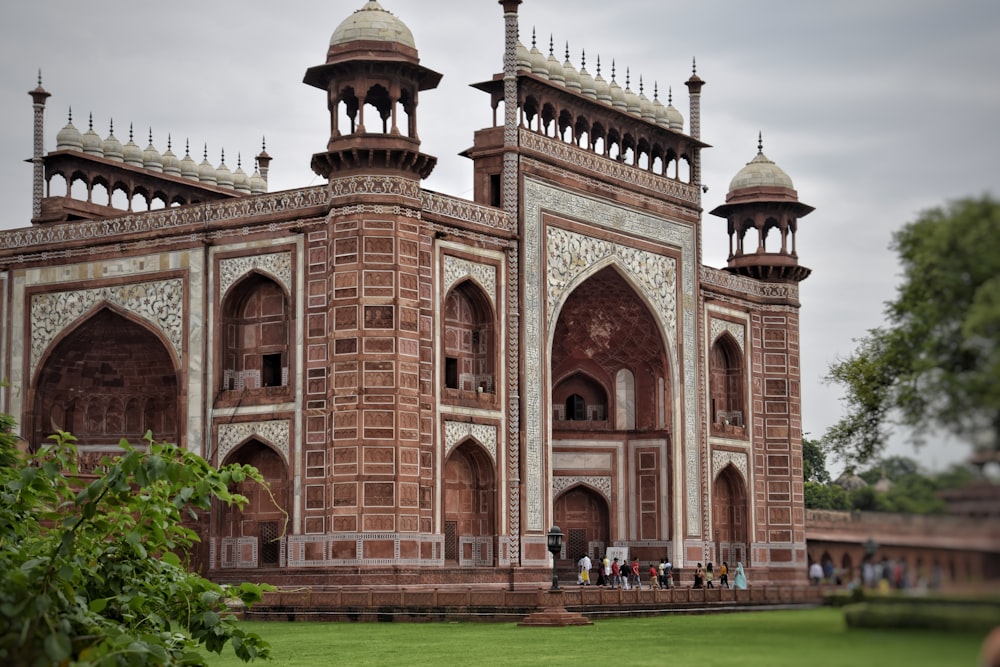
(814, 638)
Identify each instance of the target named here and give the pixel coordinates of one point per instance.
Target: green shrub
(922, 615)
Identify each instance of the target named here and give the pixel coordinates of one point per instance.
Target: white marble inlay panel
(456, 269)
(581, 461)
(720, 459)
(484, 434)
(738, 332)
(160, 303)
(563, 482)
(276, 432)
(539, 197)
(277, 265)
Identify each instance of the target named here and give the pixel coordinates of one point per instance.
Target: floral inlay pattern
(161, 303)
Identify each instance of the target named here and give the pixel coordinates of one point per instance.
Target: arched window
(726, 383)
(469, 346)
(256, 329)
(580, 398)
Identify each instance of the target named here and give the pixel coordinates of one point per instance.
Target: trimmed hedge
(916, 614)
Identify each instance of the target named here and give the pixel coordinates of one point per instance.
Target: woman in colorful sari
(740, 580)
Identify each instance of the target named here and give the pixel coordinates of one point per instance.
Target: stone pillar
(38, 97)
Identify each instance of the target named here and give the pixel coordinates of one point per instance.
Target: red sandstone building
(430, 383)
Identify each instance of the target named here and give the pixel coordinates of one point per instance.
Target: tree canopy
(911, 490)
(935, 364)
(814, 461)
(91, 569)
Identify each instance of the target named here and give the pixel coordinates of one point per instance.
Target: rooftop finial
(187, 147)
(552, 46)
(641, 87)
(239, 160)
(223, 156)
(694, 66)
(111, 126)
(263, 144)
(90, 123)
(656, 91)
(628, 77)
(534, 42)
(204, 155)
(760, 142)
(130, 136)
(71, 115)
(169, 146)
(670, 95)
(39, 77)
(583, 59)
(567, 50)
(612, 70)
(598, 64)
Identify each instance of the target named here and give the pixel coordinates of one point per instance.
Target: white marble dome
(69, 138)
(372, 23)
(760, 172)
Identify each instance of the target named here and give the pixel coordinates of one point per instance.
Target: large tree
(91, 568)
(935, 364)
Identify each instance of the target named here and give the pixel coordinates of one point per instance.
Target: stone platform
(492, 604)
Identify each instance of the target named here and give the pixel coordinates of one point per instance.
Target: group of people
(610, 573)
(704, 576)
(624, 575)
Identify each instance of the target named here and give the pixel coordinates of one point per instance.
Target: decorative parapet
(752, 288)
(608, 168)
(164, 220)
(466, 211)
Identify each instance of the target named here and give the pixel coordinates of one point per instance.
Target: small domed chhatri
(761, 199)
(372, 23)
(760, 172)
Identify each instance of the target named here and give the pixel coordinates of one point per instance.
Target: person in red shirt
(636, 578)
(616, 575)
(654, 576)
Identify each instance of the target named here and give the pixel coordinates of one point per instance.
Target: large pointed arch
(731, 516)
(253, 536)
(605, 323)
(98, 374)
(584, 516)
(470, 506)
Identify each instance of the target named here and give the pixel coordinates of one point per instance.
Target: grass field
(813, 638)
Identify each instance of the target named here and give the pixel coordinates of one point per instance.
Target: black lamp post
(555, 546)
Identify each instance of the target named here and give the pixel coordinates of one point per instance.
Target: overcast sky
(877, 110)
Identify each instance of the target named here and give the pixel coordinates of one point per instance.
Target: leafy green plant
(91, 568)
